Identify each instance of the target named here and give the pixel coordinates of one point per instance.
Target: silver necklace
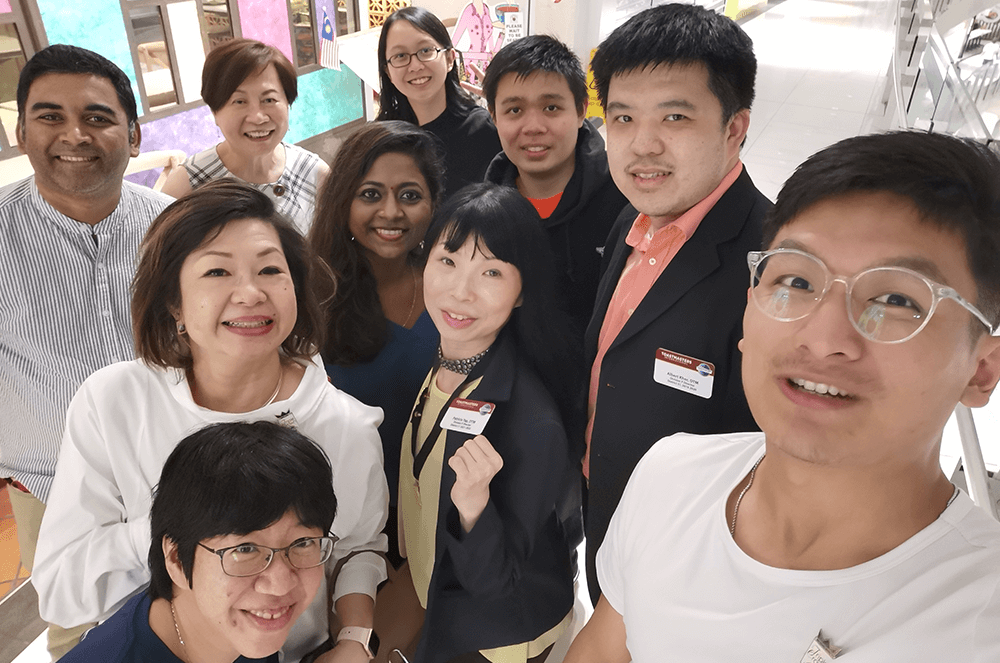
(277, 388)
(176, 627)
(413, 301)
(736, 509)
(460, 366)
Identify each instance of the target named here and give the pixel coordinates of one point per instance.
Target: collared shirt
(652, 251)
(64, 313)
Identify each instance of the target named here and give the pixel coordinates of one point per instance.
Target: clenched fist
(475, 464)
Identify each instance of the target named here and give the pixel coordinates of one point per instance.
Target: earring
(181, 329)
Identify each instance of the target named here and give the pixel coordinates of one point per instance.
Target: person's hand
(475, 464)
(477, 90)
(346, 651)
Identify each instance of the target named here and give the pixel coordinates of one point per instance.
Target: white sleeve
(362, 502)
(91, 557)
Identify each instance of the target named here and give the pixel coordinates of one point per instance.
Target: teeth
(269, 614)
(75, 159)
(649, 176)
(535, 149)
(258, 134)
(459, 317)
(391, 232)
(246, 325)
(820, 388)
(420, 81)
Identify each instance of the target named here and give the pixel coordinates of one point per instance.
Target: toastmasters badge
(821, 651)
(467, 416)
(684, 373)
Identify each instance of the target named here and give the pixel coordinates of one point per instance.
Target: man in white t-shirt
(834, 532)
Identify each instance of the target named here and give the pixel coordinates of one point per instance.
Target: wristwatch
(366, 636)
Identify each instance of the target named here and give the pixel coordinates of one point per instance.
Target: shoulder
(136, 194)
(332, 405)
(15, 193)
(302, 154)
(116, 640)
(694, 459)
(117, 386)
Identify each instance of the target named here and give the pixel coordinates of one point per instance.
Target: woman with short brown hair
(249, 87)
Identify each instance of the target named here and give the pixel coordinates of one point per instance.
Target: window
(303, 34)
(347, 17)
(169, 40)
(17, 44)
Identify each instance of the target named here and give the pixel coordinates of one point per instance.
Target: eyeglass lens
(886, 304)
(424, 55)
(249, 559)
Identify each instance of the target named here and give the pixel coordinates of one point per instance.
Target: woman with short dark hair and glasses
(240, 525)
(226, 315)
(418, 72)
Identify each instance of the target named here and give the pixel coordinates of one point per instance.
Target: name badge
(684, 373)
(820, 651)
(467, 416)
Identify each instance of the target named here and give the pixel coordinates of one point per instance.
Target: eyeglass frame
(409, 56)
(222, 551)
(938, 292)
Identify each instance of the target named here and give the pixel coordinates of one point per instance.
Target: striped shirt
(294, 194)
(64, 313)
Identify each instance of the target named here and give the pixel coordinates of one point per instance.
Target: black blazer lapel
(620, 252)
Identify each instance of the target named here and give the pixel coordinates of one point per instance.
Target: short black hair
(953, 182)
(66, 59)
(679, 34)
(529, 55)
(235, 478)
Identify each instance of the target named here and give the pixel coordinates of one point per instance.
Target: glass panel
(218, 22)
(347, 17)
(302, 26)
(154, 57)
(12, 60)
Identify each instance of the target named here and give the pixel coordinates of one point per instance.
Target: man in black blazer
(676, 82)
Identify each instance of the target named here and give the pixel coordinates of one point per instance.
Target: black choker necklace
(460, 366)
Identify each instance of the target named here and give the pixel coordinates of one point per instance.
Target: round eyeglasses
(425, 54)
(885, 304)
(249, 559)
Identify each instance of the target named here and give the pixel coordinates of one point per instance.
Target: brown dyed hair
(232, 62)
(357, 325)
(187, 224)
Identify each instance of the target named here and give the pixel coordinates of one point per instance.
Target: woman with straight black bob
(488, 537)
(418, 72)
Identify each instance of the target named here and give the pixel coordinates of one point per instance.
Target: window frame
(27, 20)
(307, 68)
(149, 115)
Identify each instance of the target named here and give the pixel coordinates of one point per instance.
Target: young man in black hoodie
(536, 92)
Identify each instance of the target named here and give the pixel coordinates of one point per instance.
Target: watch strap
(357, 634)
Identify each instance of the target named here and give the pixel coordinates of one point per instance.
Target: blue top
(392, 382)
(127, 638)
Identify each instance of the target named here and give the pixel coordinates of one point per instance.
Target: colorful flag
(329, 51)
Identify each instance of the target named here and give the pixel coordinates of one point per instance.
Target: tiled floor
(11, 573)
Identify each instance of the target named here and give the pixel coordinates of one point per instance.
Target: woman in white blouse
(226, 318)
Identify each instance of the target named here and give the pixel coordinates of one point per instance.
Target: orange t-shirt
(652, 251)
(546, 206)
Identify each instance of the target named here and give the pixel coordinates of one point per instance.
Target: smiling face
(469, 296)
(391, 208)
(237, 296)
(422, 83)
(893, 400)
(668, 146)
(255, 117)
(76, 136)
(538, 123)
(249, 616)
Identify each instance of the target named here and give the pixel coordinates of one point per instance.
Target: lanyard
(420, 457)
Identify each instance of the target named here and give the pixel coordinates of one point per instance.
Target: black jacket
(694, 308)
(468, 141)
(579, 226)
(510, 579)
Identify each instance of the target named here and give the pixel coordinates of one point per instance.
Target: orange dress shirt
(652, 251)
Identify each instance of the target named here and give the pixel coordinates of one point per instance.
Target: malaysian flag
(329, 55)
